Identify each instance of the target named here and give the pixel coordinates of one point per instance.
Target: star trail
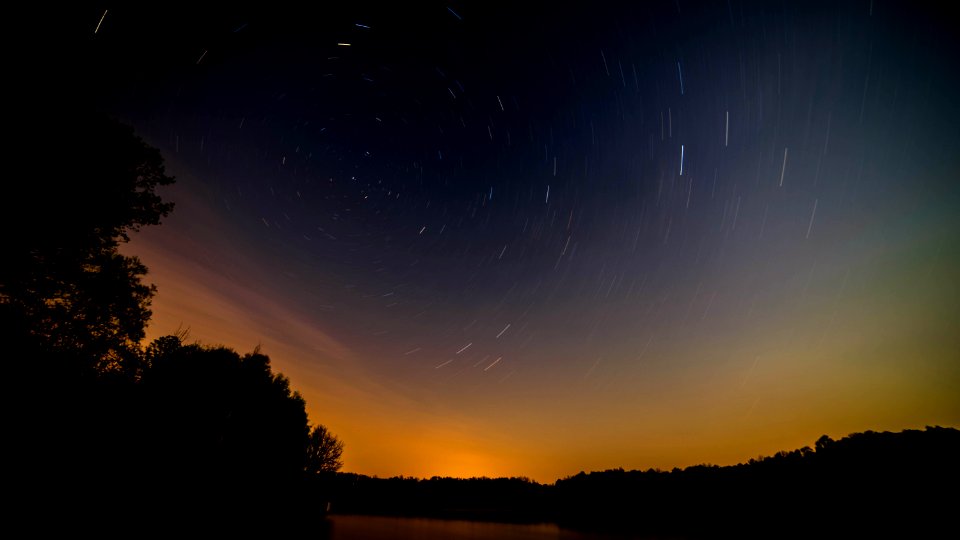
(528, 240)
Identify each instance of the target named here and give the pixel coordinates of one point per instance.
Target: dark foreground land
(868, 482)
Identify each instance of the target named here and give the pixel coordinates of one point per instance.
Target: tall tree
(64, 286)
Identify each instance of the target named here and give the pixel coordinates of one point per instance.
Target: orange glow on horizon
(772, 389)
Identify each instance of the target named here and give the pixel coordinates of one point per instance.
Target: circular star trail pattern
(486, 239)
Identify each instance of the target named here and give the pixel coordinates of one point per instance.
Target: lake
(382, 528)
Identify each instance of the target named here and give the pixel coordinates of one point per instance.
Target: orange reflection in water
(377, 528)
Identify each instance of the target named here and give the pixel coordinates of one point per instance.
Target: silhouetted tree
(218, 417)
(323, 451)
(823, 443)
(72, 307)
(64, 285)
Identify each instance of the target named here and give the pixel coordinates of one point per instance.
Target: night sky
(484, 239)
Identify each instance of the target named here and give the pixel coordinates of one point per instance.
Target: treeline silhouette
(494, 499)
(866, 482)
(201, 431)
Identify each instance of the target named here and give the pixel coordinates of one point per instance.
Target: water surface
(381, 528)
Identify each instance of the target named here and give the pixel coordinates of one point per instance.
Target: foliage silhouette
(218, 416)
(324, 451)
(203, 434)
(64, 286)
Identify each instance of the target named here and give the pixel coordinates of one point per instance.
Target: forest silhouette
(110, 430)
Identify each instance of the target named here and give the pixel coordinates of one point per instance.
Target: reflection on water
(382, 528)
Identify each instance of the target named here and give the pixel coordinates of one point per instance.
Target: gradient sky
(489, 241)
